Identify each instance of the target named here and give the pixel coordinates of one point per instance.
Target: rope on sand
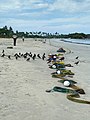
(72, 98)
(77, 90)
(71, 94)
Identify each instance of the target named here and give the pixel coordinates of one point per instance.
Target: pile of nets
(73, 92)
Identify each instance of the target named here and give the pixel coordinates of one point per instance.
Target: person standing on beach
(23, 38)
(14, 39)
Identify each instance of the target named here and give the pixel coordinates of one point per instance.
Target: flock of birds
(27, 56)
(77, 61)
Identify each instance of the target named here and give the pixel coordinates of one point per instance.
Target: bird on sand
(3, 55)
(62, 58)
(16, 57)
(34, 56)
(28, 59)
(76, 62)
(77, 57)
(38, 55)
(9, 56)
(3, 51)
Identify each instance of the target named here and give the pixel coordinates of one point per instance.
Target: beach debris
(71, 94)
(57, 62)
(72, 82)
(60, 89)
(63, 73)
(61, 50)
(55, 57)
(54, 66)
(59, 54)
(62, 58)
(58, 72)
(67, 72)
(68, 65)
(57, 66)
(10, 47)
(66, 83)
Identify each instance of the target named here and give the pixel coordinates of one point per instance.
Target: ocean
(56, 42)
(77, 41)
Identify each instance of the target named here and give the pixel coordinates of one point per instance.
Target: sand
(23, 83)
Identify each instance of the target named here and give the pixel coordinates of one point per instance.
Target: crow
(9, 56)
(16, 57)
(3, 55)
(3, 51)
(30, 54)
(77, 57)
(76, 62)
(34, 56)
(62, 58)
(28, 59)
(43, 57)
(38, 55)
(25, 55)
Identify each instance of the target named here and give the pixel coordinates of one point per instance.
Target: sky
(62, 16)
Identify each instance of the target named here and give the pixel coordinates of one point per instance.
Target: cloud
(8, 5)
(70, 6)
(19, 4)
(45, 15)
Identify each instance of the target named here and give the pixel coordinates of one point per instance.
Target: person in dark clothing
(23, 38)
(14, 39)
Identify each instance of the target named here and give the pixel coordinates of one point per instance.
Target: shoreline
(77, 41)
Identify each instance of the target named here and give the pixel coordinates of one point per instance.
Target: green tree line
(6, 32)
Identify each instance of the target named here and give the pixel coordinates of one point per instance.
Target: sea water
(77, 41)
(56, 42)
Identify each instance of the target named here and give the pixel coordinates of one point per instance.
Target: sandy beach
(23, 84)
